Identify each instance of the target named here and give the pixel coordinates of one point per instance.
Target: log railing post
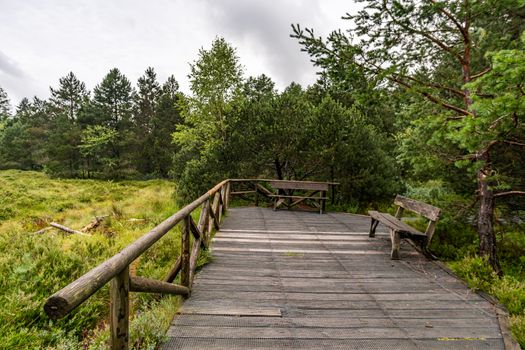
(256, 195)
(227, 196)
(203, 223)
(119, 310)
(185, 253)
(223, 199)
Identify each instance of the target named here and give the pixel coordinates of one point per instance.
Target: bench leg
(396, 242)
(373, 225)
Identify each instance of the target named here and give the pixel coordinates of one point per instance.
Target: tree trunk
(487, 238)
(278, 168)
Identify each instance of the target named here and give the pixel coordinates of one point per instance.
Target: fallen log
(93, 224)
(67, 229)
(39, 232)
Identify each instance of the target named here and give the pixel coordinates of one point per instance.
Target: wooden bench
(400, 229)
(284, 195)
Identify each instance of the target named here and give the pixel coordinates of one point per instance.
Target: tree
(145, 101)
(64, 131)
(215, 81)
(163, 124)
(433, 49)
(5, 107)
(112, 108)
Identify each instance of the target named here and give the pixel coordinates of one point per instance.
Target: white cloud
(44, 40)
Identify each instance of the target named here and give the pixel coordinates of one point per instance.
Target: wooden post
(256, 195)
(223, 199)
(119, 310)
(227, 196)
(185, 253)
(399, 212)
(203, 223)
(322, 195)
(396, 243)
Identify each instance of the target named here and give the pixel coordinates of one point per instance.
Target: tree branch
(462, 30)
(437, 86)
(433, 98)
(433, 39)
(509, 193)
(480, 74)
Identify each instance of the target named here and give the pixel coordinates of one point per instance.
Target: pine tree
(5, 107)
(145, 108)
(112, 108)
(64, 132)
(163, 124)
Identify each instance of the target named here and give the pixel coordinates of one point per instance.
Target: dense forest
(426, 99)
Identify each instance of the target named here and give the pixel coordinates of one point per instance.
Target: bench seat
(392, 222)
(400, 229)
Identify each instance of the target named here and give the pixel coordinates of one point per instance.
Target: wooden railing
(115, 270)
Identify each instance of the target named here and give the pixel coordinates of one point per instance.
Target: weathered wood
(94, 223)
(266, 192)
(228, 196)
(67, 229)
(66, 299)
(203, 223)
(394, 223)
(396, 244)
(299, 185)
(41, 231)
(256, 199)
(170, 277)
(423, 209)
(223, 201)
(194, 229)
(401, 229)
(148, 285)
(217, 208)
(185, 253)
(193, 260)
(119, 310)
(325, 300)
(322, 199)
(215, 221)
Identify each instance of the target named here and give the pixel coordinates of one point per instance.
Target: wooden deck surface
(299, 280)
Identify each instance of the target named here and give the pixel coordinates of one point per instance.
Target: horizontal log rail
(213, 204)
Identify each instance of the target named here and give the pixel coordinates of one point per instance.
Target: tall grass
(34, 266)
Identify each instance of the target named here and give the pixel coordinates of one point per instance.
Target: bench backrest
(299, 185)
(426, 210)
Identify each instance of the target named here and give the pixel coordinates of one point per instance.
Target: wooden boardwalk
(299, 280)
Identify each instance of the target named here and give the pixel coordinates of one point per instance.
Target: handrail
(116, 269)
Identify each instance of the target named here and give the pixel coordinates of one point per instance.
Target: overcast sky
(43, 40)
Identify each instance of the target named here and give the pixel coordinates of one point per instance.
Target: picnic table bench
(400, 229)
(315, 193)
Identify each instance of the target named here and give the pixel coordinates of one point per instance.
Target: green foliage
(34, 266)
(509, 290)
(5, 107)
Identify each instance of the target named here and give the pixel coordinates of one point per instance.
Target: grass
(34, 266)
(509, 290)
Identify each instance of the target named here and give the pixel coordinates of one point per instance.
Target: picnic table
(311, 191)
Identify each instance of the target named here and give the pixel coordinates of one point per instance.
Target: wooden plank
(423, 209)
(335, 289)
(390, 221)
(299, 185)
(238, 312)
